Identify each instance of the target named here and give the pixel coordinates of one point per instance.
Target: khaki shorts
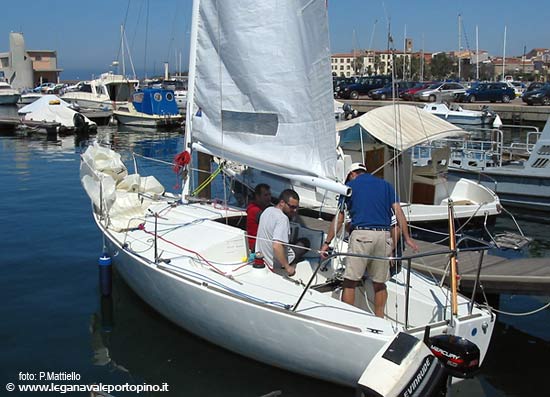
(373, 243)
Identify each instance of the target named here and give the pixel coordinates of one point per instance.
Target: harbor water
(54, 318)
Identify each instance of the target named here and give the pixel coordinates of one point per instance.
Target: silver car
(440, 92)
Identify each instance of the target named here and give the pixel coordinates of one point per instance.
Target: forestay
(261, 85)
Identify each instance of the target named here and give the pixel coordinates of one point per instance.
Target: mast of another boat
(190, 94)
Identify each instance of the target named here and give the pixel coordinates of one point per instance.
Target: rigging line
(185, 249)
(123, 24)
(518, 314)
(173, 33)
(146, 38)
(136, 27)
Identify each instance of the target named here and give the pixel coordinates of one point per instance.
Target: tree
(377, 64)
(441, 66)
(357, 64)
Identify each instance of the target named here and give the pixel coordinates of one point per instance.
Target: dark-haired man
(274, 232)
(262, 200)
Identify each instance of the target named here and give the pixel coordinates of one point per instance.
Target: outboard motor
(409, 367)
(459, 356)
(405, 367)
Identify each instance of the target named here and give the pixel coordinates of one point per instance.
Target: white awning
(402, 126)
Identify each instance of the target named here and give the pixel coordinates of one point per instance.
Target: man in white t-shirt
(274, 231)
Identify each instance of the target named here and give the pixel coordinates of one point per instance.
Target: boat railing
(481, 247)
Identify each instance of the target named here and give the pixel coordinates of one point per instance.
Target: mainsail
(260, 85)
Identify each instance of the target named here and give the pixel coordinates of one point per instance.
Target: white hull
(9, 99)
(91, 101)
(143, 120)
(477, 121)
(458, 115)
(518, 189)
(308, 342)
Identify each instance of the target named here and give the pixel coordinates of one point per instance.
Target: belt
(377, 229)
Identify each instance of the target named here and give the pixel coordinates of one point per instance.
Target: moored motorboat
(53, 111)
(521, 183)
(8, 95)
(150, 107)
(107, 92)
(456, 114)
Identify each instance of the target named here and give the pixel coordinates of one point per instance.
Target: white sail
(267, 101)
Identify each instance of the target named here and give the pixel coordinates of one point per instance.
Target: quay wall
(510, 112)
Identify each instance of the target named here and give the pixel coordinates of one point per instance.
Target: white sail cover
(52, 109)
(260, 84)
(402, 126)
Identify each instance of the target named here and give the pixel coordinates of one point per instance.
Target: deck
(498, 274)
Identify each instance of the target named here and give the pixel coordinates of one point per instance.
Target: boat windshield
(120, 91)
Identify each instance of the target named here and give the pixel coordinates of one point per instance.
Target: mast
(504, 55)
(405, 53)
(122, 49)
(422, 61)
(459, 45)
(191, 87)
(477, 54)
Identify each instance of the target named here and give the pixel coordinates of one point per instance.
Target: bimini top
(155, 101)
(402, 126)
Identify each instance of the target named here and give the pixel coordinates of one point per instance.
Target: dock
(9, 123)
(499, 275)
(515, 111)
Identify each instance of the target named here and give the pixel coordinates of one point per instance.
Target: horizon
(91, 44)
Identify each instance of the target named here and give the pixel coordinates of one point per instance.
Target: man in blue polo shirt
(370, 208)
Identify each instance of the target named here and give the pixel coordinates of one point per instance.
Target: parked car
(362, 86)
(540, 96)
(441, 92)
(56, 89)
(388, 90)
(408, 95)
(43, 87)
(489, 92)
(339, 82)
(534, 86)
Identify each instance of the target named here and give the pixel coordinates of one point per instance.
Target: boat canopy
(155, 101)
(402, 126)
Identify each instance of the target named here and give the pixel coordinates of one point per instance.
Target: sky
(86, 34)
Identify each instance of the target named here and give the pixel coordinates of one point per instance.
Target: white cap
(355, 167)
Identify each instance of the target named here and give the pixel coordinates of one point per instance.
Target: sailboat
(264, 99)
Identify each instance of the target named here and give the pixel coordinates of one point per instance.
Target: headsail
(261, 85)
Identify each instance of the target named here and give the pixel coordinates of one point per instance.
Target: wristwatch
(327, 242)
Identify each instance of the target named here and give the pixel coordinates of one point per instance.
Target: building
(366, 62)
(28, 68)
(342, 65)
(511, 66)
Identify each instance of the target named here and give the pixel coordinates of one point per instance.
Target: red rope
(142, 227)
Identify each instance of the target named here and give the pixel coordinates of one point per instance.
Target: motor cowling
(459, 356)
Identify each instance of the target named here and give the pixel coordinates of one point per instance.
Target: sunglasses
(292, 207)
